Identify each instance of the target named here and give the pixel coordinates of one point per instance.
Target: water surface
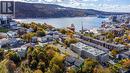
(87, 22)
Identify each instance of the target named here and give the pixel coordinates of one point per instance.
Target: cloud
(104, 5)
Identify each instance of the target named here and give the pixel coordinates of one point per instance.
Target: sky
(104, 5)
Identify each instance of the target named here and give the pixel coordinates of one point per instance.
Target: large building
(77, 48)
(96, 54)
(86, 51)
(7, 22)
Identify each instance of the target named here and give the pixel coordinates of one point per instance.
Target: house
(13, 25)
(29, 30)
(47, 38)
(127, 54)
(122, 56)
(128, 26)
(15, 42)
(21, 51)
(34, 39)
(4, 20)
(3, 42)
(54, 34)
(21, 31)
(3, 35)
(12, 34)
(72, 61)
(118, 32)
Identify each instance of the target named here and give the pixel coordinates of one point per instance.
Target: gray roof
(70, 59)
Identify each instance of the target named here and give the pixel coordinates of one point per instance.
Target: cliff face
(37, 10)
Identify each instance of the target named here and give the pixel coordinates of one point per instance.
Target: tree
(113, 69)
(41, 33)
(13, 56)
(63, 31)
(1, 54)
(114, 52)
(70, 33)
(55, 69)
(127, 64)
(69, 41)
(30, 49)
(33, 64)
(52, 47)
(38, 71)
(41, 66)
(128, 37)
(110, 35)
(58, 60)
(11, 66)
(42, 56)
(70, 70)
(88, 66)
(28, 37)
(100, 69)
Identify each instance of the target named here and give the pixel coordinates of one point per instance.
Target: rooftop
(127, 53)
(89, 49)
(93, 50)
(80, 45)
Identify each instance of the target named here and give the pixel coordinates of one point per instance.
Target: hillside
(37, 10)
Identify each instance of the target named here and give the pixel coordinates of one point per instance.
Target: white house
(12, 34)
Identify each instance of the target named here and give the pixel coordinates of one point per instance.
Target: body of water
(88, 22)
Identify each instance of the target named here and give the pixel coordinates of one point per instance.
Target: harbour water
(87, 22)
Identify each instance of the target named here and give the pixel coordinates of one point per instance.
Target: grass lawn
(3, 29)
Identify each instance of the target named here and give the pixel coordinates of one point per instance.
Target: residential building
(11, 34)
(77, 48)
(118, 47)
(72, 61)
(86, 51)
(96, 54)
(29, 30)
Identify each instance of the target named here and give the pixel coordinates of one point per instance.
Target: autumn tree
(41, 33)
(100, 69)
(1, 54)
(28, 37)
(41, 66)
(110, 35)
(33, 64)
(11, 66)
(70, 70)
(63, 31)
(12, 55)
(38, 71)
(114, 52)
(88, 66)
(127, 64)
(69, 41)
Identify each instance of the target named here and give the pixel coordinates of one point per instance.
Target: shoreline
(56, 17)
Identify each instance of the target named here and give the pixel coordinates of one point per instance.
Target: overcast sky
(104, 5)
